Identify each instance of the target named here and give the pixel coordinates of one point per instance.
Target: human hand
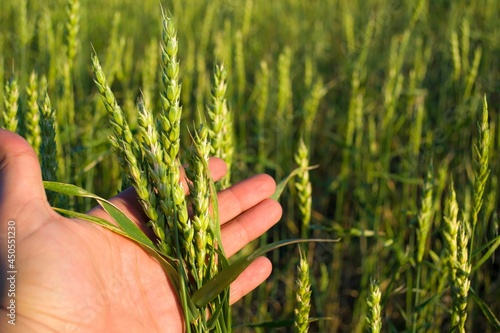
(74, 276)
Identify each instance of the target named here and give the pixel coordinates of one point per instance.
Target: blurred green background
(380, 90)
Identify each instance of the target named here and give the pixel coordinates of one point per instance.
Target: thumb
(22, 196)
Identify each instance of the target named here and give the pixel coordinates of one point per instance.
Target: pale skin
(73, 276)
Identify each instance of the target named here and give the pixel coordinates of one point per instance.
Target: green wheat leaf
(224, 278)
(492, 319)
(129, 227)
(282, 184)
(97, 220)
(493, 245)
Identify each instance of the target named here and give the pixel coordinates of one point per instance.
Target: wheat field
(394, 103)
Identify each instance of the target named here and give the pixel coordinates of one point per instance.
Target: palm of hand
(74, 276)
(80, 278)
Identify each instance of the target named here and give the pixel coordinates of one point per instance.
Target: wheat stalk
(156, 170)
(126, 148)
(221, 124)
(455, 241)
(304, 187)
(22, 23)
(175, 208)
(455, 52)
(374, 317)
(472, 76)
(48, 147)
(261, 96)
(450, 230)
(206, 263)
(32, 115)
(482, 170)
(465, 43)
(461, 285)
(425, 214)
(239, 64)
(284, 114)
(72, 28)
(170, 92)
(311, 106)
(303, 297)
(11, 97)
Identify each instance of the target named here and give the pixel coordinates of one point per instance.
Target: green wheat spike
(304, 187)
(303, 297)
(221, 124)
(373, 300)
(482, 164)
(11, 100)
(72, 28)
(48, 147)
(425, 214)
(32, 114)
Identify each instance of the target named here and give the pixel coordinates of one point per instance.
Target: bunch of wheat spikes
(153, 166)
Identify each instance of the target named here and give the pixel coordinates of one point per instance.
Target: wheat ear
(303, 298)
(11, 99)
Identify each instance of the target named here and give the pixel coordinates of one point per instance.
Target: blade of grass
(97, 220)
(494, 244)
(282, 184)
(129, 227)
(225, 277)
(492, 319)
